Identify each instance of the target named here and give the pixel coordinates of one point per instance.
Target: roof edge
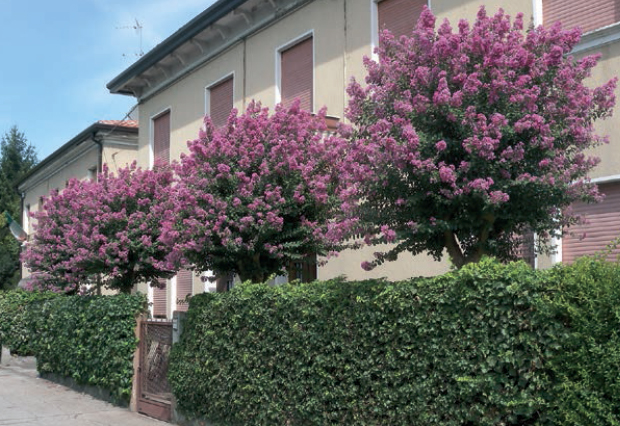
(209, 16)
(76, 140)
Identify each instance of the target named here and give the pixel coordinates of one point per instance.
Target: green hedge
(90, 339)
(487, 345)
(17, 307)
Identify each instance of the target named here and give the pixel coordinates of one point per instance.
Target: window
(303, 270)
(297, 74)
(161, 137)
(400, 17)
(220, 101)
(588, 15)
(224, 282)
(159, 299)
(185, 283)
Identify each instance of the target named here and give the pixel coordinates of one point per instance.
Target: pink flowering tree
(104, 231)
(464, 140)
(254, 195)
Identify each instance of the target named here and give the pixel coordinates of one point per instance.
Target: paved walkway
(26, 399)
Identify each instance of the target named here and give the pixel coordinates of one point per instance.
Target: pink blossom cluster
(475, 134)
(254, 195)
(107, 227)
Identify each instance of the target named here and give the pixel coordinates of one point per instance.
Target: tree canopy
(254, 195)
(17, 157)
(107, 228)
(464, 139)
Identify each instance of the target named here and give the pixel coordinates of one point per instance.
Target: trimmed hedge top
(489, 344)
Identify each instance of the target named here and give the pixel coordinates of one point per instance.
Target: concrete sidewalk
(26, 399)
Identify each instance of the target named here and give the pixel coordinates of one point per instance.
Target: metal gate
(155, 395)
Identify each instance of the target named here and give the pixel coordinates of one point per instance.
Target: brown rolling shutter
(161, 137)
(303, 270)
(221, 102)
(184, 288)
(400, 17)
(603, 226)
(159, 301)
(588, 15)
(527, 250)
(297, 74)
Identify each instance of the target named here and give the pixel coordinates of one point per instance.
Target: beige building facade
(244, 46)
(110, 142)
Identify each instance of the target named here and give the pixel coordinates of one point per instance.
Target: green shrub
(586, 371)
(90, 339)
(17, 308)
(490, 344)
(465, 348)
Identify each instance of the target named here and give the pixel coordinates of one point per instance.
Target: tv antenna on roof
(138, 28)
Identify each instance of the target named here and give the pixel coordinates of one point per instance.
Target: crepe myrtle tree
(105, 230)
(464, 139)
(255, 194)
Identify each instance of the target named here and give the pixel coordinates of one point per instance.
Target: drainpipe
(98, 141)
(21, 263)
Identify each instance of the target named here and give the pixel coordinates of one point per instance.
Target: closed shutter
(303, 270)
(220, 102)
(400, 17)
(161, 137)
(297, 74)
(184, 288)
(159, 300)
(587, 15)
(526, 250)
(603, 226)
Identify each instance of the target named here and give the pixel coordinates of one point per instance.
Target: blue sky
(58, 56)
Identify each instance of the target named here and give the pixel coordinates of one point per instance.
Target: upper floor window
(587, 15)
(220, 101)
(297, 74)
(161, 137)
(400, 17)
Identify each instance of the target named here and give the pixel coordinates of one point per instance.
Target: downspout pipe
(99, 141)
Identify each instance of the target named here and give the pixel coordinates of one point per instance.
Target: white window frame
(374, 25)
(591, 40)
(557, 256)
(278, 55)
(152, 119)
(172, 306)
(209, 86)
(26, 219)
(150, 294)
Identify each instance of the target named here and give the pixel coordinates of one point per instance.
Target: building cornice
(75, 148)
(208, 35)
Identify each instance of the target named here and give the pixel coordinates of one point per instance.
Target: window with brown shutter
(220, 101)
(303, 270)
(400, 17)
(184, 289)
(297, 70)
(159, 300)
(587, 15)
(161, 137)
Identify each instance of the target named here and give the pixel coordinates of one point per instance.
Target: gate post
(135, 389)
